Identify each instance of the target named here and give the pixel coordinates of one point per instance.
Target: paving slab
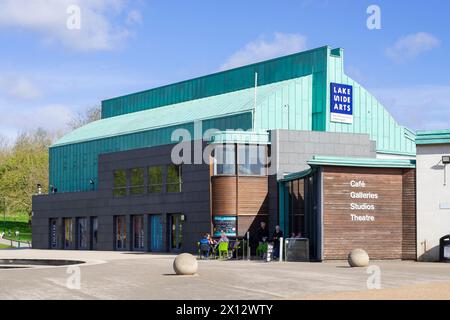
(125, 275)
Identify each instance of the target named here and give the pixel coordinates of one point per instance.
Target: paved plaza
(127, 275)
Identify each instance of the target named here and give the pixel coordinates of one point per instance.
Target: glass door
(156, 232)
(94, 233)
(138, 232)
(82, 235)
(68, 233)
(121, 233)
(176, 232)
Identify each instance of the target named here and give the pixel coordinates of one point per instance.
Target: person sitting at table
(205, 246)
(211, 241)
(223, 238)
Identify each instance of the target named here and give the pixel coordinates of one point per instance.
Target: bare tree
(82, 118)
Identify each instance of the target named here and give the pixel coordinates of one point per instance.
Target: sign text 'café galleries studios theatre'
(341, 104)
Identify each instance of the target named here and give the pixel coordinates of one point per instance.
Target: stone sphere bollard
(185, 264)
(358, 258)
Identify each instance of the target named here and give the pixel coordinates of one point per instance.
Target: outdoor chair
(205, 250)
(223, 249)
(234, 248)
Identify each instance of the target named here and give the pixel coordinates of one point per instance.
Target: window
(173, 178)
(155, 179)
(252, 160)
(121, 233)
(94, 233)
(68, 233)
(176, 231)
(225, 160)
(137, 181)
(138, 232)
(82, 233)
(120, 183)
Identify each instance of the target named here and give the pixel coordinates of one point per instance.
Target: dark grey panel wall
(193, 201)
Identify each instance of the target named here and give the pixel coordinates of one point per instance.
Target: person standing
(263, 233)
(277, 235)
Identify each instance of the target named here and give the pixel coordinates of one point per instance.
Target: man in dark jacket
(263, 233)
(277, 235)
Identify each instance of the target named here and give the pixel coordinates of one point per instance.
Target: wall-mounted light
(53, 189)
(183, 217)
(92, 183)
(39, 188)
(445, 161)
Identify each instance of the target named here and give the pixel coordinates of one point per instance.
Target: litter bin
(297, 250)
(445, 249)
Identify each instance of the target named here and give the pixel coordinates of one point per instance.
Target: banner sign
(53, 234)
(341, 104)
(226, 224)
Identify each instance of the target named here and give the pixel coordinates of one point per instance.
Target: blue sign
(341, 104)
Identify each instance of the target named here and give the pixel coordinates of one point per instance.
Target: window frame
(151, 185)
(134, 189)
(179, 183)
(120, 191)
(223, 148)
(263, 168)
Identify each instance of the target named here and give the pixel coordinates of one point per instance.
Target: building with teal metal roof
(127, 182)
(293, 93)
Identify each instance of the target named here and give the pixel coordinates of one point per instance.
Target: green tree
(25, 166)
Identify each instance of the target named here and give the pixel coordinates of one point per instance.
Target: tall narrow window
(94, 233)
(120, 183)
(252, 160)
(173, 178)
(121, 233)
(137, 181)
(68, 233)
(138, 232)
(82, 233)
(155, 179)
(225, 160)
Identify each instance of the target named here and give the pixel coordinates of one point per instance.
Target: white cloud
(409, 47)
(263, 49)
(134, 17)
(425, 107)
(19, 88)
(21, 119)
(99, 29)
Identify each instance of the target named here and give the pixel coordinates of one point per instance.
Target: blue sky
(49, 73)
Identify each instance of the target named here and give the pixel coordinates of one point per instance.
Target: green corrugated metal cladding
(73, 165)
(312, 62)
(294, 94)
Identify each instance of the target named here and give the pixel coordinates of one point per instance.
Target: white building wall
(433, 195)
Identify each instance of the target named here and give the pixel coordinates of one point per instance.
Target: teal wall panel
(276, 70)
(369, 116)
(289, 108)
(301, 103)
(73, 165)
